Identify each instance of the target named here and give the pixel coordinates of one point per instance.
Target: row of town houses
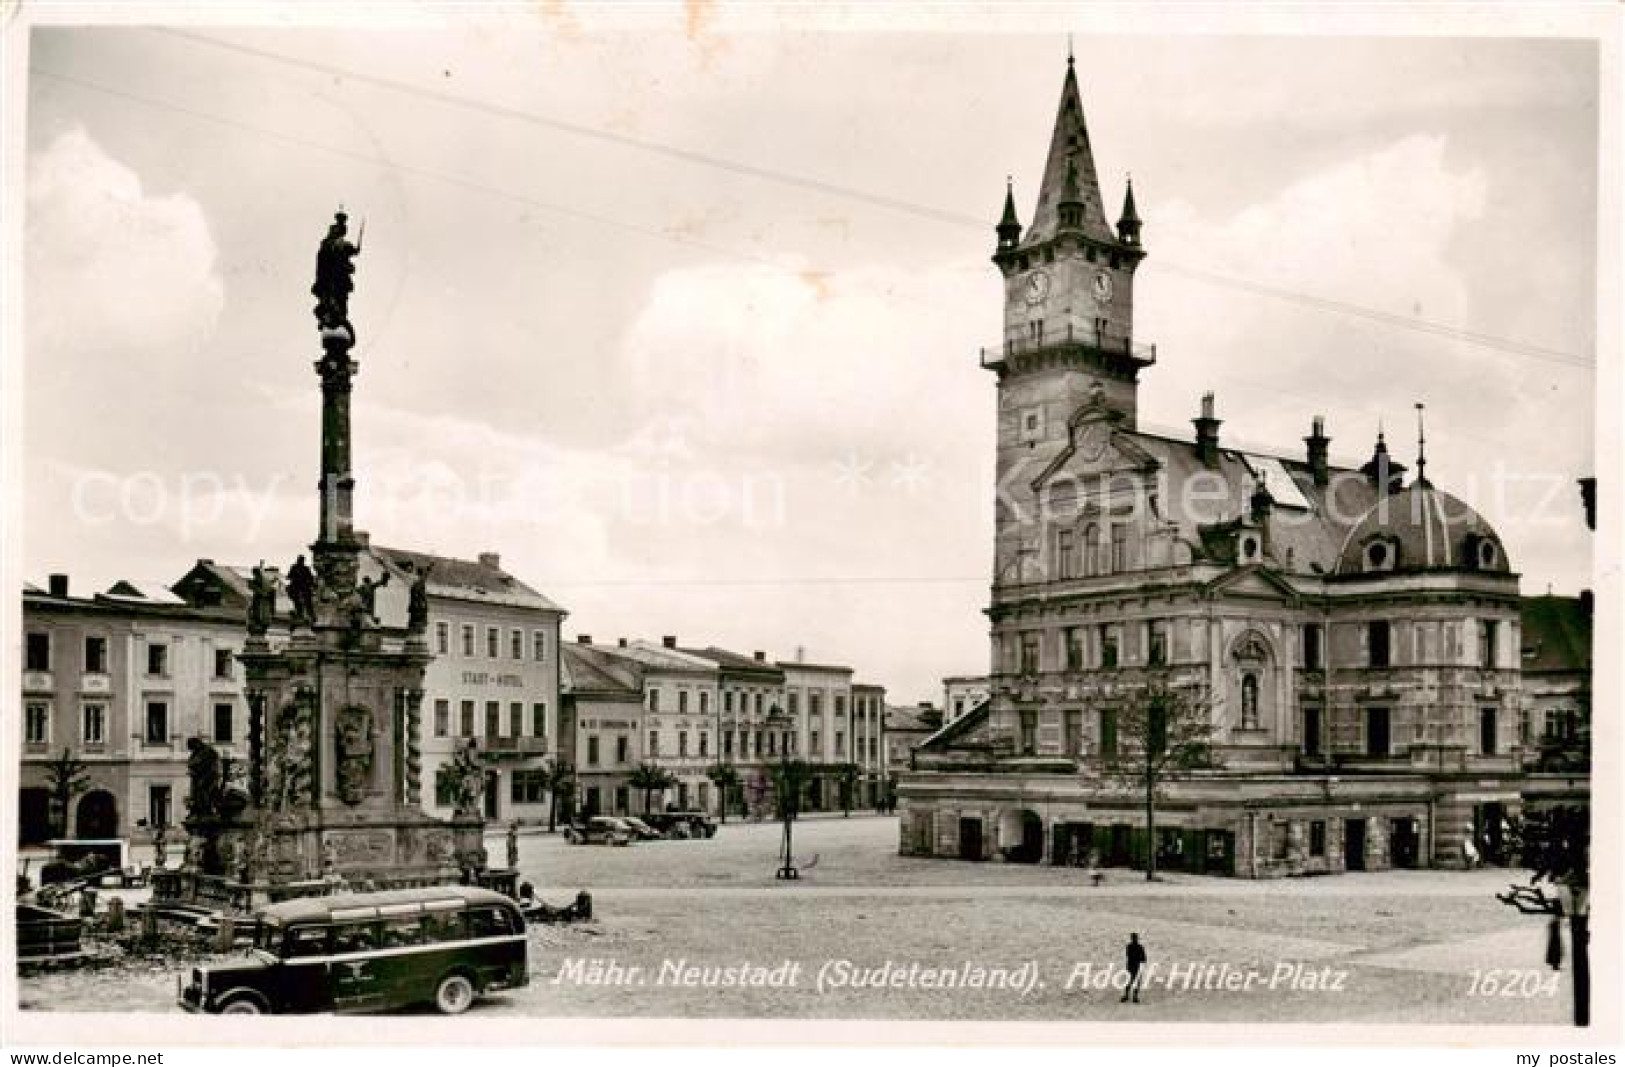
(121, 680)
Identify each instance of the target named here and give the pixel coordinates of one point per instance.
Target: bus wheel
(243, 1005)
(454, 994)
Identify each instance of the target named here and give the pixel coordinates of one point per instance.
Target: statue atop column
(334, 274)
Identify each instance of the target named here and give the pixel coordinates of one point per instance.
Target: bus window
(360, 937)
(487, 922)
(306, 941)
(438, 928)
(268, 937)
(405, 931)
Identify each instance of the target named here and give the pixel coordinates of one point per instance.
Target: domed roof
(1421, 528)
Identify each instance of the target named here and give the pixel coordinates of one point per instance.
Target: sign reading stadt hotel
(482, 678)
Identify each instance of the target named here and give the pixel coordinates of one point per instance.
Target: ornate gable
(1253, 581)
(1094, 446)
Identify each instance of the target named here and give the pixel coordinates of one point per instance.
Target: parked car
(641, 830)
(443, 945)
(682, 823)
(599, 830)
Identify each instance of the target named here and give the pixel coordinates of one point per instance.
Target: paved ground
(1383, 947)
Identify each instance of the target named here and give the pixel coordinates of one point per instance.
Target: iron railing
(1111, 342)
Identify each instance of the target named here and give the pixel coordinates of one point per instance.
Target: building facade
(869, 743)
(120, 681)
(494, 678)
(704, 708)
(1556, 728)
(128, 676)
(1347, 641)
(962, 693)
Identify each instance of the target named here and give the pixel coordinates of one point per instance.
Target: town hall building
(1352, 636)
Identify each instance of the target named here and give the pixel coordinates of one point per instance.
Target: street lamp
(790, 773)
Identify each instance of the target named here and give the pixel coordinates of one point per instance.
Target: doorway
(1354, 844)
(98, 816)
(33, 815)
(970, 839)
(1404, 843)
(492, 780)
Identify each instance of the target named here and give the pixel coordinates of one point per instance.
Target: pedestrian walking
(1134, 958)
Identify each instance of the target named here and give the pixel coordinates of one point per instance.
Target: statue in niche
(203, 772)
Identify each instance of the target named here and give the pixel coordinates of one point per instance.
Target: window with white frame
(37, 723)
(95, 725)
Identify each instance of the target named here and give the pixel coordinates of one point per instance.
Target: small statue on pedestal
(262, 602)
(302, 591)
(417, 609)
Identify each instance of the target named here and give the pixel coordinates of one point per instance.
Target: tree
(1555, 846)
(846, 779)
(559, 779)
(651, 778)
(65, 777)
(1163, 732)
(726, 779)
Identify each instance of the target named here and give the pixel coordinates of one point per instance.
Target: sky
(685, 324)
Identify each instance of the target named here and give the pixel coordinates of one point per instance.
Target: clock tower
(1068, 354)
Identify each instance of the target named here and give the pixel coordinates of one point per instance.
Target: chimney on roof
(492, 560)
(669, 641)
(58, 584)
(622, 642)
(801, 654)
(1588, 602)
(1319, 465)
(583, 639)
(1207, 433)
(761, 657)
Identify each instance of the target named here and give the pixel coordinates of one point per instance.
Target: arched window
(1379, 556)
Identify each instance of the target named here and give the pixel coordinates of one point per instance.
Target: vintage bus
(354, 952)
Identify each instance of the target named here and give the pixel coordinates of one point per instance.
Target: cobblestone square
(684, 927)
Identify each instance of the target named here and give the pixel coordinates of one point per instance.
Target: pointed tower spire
(1421, 449)
(1069, 151)
(1069, 210)
(1128, 224)
(1009, 228)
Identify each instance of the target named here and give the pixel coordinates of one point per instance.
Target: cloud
(1381, 231)
(111, 266)
(808, 365)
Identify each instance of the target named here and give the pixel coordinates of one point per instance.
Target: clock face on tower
(1103, 287)
(1037, 286)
